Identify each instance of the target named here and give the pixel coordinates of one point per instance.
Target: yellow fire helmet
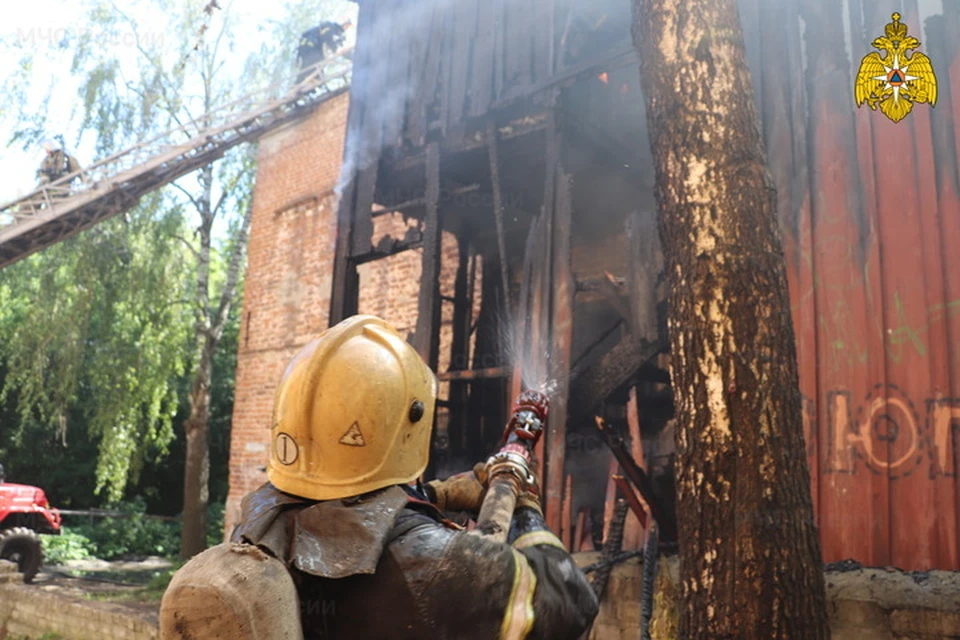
(353, 413)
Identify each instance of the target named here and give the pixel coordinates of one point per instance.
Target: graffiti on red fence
(886, 432)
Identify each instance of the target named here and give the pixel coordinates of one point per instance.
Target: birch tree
(750, 557)
(179, 60)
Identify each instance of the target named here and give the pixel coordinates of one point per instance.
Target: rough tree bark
(209, 325)
(750, 557)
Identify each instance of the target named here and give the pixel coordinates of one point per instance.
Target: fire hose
(509, 470)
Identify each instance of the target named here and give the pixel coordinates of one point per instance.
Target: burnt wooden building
(527, 143)
(517, 126)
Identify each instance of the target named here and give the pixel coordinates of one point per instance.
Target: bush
(215, 523)
(134, 535)
(69, 545)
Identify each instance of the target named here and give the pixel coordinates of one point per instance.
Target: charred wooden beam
(474, 374)
(378, 254)
(634, 533)
(632, 500)
(612, 547)
(638, 478)
(555, 440)
(418, 203)
(596, 382)
(644, 266)
(345, 281)
(460, 344)
(427, 338)
(603, 62)
(561, 327)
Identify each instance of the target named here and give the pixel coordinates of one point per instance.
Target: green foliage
(111, 341)
(215, 523)
(100, 335)
(132, 536)
(69, 545)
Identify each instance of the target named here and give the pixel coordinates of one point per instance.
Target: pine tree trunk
(750, 557)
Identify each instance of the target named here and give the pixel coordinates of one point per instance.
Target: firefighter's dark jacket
(387, 566)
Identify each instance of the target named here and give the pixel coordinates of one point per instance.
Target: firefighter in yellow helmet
(370, 552)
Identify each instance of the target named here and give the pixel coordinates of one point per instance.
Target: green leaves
(99, 322)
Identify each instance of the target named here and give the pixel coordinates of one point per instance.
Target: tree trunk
(750, 557)
(209, 329)
(196, 469)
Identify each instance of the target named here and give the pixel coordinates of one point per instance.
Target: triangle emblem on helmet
(352, 437)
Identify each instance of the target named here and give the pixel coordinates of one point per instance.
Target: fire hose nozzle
(524, 429)
(528, 418)
(509, 469)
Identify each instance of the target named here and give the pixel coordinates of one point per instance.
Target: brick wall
(290, 264)
(26, 611)
(289, 276)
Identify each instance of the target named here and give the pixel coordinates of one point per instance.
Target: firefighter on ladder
(365, 550)
(56, 164)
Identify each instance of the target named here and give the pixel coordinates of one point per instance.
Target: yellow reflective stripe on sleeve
(538, 537)
(518, 618)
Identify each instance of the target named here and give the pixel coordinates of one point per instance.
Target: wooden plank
(596, 382)
(397, 81)
(951, 14)
(561, 327)
(542, 34)
(447, 68)
(853, 517)
(517, 43)
(644, 264)
(426, 340)
(460, 344)
(345, 280)
(361, 236)
(906, 495)
(420, 46)
(929, 270)
(946, 454)
(633, 532)
(481, 77)
(349, 239)
(492, 148)
(578, 530)
(465, 27)
(636, 508)
(535, 366)
(432, 69)
(552, 481)
(610, 497)
(500, 18)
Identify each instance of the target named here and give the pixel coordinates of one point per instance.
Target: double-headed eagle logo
(895, 81)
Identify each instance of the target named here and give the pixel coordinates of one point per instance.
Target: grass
(152, 593)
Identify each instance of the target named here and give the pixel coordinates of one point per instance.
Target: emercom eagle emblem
(896, 81)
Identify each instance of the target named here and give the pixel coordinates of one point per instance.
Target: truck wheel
(22, 546)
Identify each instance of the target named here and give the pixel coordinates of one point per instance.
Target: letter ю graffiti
(885, 431)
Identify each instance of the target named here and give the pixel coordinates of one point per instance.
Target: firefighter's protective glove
(529, 496)
(462, 492)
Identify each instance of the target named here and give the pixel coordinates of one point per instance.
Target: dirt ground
(133, 584)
